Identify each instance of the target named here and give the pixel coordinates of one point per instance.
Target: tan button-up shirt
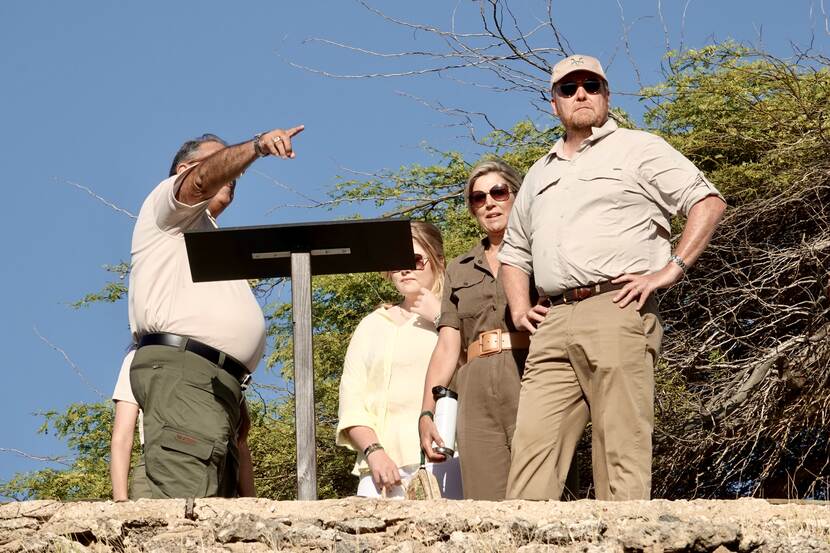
(603, 213)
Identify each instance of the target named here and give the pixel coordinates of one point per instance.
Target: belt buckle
(583, 293)
(490, 349)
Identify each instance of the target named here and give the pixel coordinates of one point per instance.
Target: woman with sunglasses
(476, 333)
(384, 371)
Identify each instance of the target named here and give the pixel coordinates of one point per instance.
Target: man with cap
(198, 343)
(592, 223)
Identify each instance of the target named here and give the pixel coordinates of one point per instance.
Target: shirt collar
(597, 133)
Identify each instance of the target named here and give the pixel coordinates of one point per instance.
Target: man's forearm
(700, 226)
(516, 285)
(215, 171)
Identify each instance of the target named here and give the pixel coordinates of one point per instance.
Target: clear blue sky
(102, 94)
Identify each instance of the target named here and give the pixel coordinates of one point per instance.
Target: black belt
(579, 294)
(234, 367)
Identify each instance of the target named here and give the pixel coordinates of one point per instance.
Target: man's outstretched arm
(224, 166)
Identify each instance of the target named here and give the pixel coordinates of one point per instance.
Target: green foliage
(112, 291)
(87, 428)
(747, 119)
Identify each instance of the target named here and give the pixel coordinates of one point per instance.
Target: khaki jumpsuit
(488, 387)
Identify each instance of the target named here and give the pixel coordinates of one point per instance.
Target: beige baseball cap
(577, 62)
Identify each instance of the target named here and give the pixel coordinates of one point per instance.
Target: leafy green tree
(87, 428)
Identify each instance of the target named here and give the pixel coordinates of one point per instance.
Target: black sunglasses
(569, 88)
(498, 192)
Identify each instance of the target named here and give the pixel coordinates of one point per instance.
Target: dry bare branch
(98, 197)
(43, 458)
(71, 364)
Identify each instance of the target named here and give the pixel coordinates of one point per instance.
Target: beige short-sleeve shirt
(123, 390)
(605, 212)
(163, 296)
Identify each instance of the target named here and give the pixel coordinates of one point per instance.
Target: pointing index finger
(295, 130)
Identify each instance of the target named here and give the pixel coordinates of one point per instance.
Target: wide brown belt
(579, 294)
(496, 341)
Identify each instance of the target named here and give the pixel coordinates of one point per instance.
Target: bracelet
(371, 448)
(437, 319)
(429, 414)
(258, 146)
(679, 262)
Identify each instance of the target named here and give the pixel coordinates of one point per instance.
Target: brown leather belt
(496, 341)
(579, 294)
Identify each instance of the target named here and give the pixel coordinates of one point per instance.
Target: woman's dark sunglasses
(498, 192)
(568, 89)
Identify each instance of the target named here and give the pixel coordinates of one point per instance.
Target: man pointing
(198, 343)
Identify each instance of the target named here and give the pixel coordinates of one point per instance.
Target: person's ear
(181, 167)
(553, 106)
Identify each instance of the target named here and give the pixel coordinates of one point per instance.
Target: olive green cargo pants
(191, 417)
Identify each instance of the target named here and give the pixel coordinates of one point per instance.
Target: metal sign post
(300, 251)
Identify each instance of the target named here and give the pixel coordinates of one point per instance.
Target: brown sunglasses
(499, 193)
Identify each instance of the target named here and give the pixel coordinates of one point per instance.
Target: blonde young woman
(383, 375)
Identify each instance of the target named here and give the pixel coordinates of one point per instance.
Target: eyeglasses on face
(499, 193)
(569, 88)
(420, 263)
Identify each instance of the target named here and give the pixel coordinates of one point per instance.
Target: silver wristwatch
(679, 262)
(258, 145)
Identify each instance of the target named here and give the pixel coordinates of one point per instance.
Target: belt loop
(183, 345)
(221, 361)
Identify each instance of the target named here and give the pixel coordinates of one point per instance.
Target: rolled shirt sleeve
(516, 246)
(672, 181)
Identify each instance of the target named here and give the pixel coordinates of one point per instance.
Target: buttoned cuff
(701, 188)
(516, 258)
(349, 419)
(450, 319)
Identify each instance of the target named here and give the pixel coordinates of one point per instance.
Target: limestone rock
(358, 525)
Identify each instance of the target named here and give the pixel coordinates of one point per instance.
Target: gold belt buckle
(493, 344)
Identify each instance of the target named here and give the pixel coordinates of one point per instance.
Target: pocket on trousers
(182, 464)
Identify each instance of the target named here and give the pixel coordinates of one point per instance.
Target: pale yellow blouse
(383, 384)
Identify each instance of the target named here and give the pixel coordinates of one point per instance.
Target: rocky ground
(354, 525)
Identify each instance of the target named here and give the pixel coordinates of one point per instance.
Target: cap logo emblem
(579, 60)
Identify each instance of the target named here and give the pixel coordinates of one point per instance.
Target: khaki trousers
(588, 360)
(191, 417)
